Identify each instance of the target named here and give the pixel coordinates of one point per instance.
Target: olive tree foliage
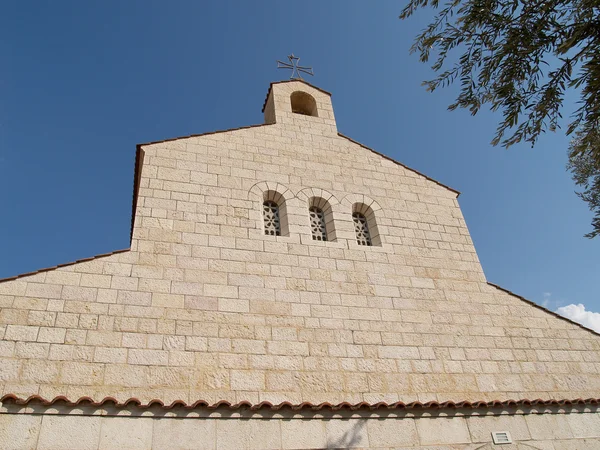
(520, 57)
(585, 166)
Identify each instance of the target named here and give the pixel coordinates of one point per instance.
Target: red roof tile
(47, 269)
(543, 309)
(399, 163)
(134, 402)
(205, 134)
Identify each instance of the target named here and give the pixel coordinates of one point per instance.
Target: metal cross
(296, 69)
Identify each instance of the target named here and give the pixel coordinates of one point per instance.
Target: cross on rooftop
(296, 69)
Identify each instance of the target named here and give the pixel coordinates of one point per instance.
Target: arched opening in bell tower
(303, 103)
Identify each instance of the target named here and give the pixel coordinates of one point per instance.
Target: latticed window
(317, 224)
(271, 218)
(363, 237)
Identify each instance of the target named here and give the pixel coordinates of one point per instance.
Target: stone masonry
(205, 306)
(544, 429)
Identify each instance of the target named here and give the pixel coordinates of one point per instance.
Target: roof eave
(400, 164)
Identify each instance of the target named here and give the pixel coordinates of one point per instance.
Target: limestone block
(14, 287)
(41, 318)
(134, 340)
(19, 431)
(237, 279)
(127, 376)
(248, 434)
(43, 290)
(393, 351)
(281, 381)
(134, 298)
(95, 280)
(110, 355)
(36, 371)
(168, 300)
(117, 268)
(104, 338)
(220, 291)
(579, 444)
(443, 431)
(76, 432)
(481, 428)
(586, 425)
(347, 433)
(184, 434)
(392, 432)
(248, 346)
(147, 271)
(196, 343)
(7, 349)
(61, 277)
(81, 374)
(548, 426)
(219, 345)
(200, 303)
(287, 348)
(233, 305)
(66, 320)
(82, 294)
(153, 285)
(26, 350)
(125, 433)
(148, 357)
(298, 433)
(21, 333)
(269, 307)
(247, 380)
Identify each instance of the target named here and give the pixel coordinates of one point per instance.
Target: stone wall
(85, 428)
(205, 306)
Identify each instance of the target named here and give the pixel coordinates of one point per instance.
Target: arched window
(303, 103)
(321, 219)
(361, 227)
(365, 225)
(274, 214)
(317, 224)
(271, 217)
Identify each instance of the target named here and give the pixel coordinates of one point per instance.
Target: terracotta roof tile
(134, 402)
(137, 176)
(47, 269)
(532, 303)
(205, 134)
(399, 163)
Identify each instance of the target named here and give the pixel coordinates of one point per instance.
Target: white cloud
(577, 313)
(546, 301)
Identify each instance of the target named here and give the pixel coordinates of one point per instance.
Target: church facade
(288, 287)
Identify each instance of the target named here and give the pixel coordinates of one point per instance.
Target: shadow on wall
(350, 438)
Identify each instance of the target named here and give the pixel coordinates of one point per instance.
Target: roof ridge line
(399, 163)
(543, 308)
(258, 125)
(58, 266)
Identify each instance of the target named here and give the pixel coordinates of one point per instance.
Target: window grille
(363, 237)
(317, 224)
(271, 218)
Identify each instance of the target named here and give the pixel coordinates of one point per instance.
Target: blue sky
(83, 82)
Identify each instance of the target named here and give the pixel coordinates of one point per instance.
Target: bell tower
(299, 103)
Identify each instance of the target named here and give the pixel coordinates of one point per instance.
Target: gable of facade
(206, 306)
